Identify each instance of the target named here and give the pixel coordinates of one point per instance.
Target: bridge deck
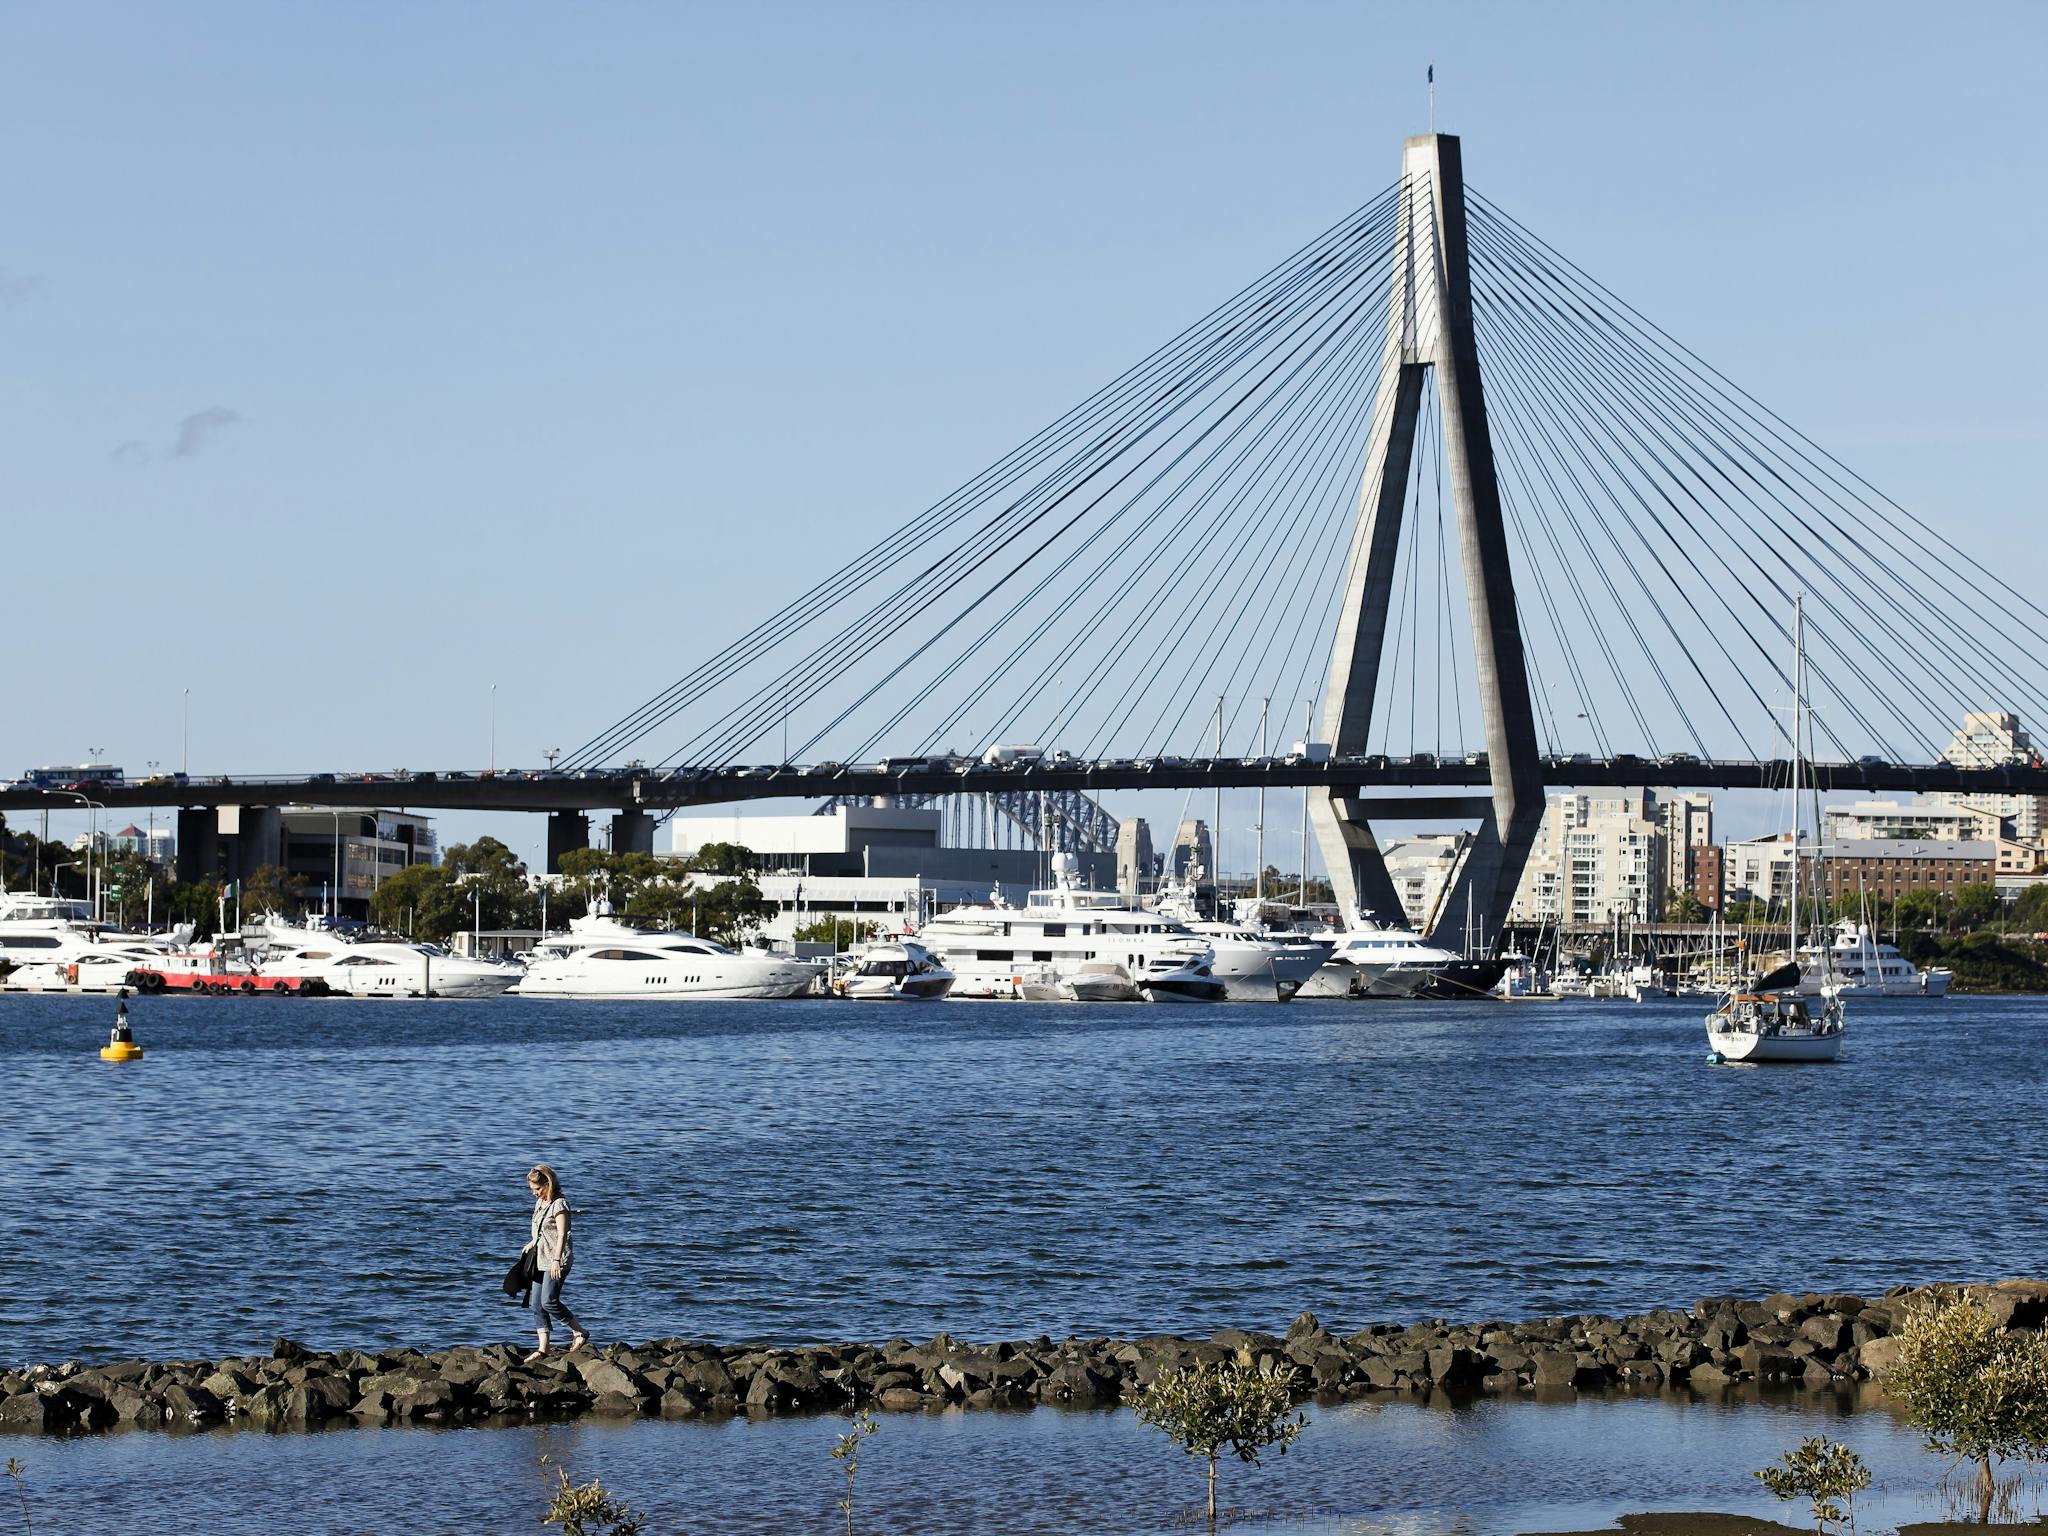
(634, 788)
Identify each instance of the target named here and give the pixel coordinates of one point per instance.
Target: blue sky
(356, 357)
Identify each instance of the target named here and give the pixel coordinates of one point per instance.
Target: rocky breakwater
(1816, 1342)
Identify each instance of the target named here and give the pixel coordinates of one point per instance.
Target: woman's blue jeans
(547, 1304)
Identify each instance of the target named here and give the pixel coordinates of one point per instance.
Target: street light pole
(185, 745)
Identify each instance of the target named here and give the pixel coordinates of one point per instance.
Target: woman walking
(551, 1257)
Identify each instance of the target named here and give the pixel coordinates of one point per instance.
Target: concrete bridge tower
(1429, 326)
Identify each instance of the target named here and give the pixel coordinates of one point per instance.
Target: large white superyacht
(600, 957)
(993, 949)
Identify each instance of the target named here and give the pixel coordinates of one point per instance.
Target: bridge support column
(1429, 326)
(198, 843)
(632, 832)
(566, 830)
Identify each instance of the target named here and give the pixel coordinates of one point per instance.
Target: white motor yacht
(992, 949)
(1254, 965)
(1388, 961)
(1166, 980)
(896, 973)
(1104, 981)
(376, 968)
(1863, 965)
(600, 957)
(52, 944)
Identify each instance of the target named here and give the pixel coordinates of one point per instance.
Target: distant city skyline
(359, 361)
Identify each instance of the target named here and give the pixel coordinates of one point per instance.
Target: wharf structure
(885, 866)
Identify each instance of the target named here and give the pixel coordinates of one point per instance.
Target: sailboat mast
(1798, 734)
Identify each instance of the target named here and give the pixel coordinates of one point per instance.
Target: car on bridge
(820, 770)
(1678, 760)
(1871, 760)
(1421, 759)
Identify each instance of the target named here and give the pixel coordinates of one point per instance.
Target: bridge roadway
(1436, 790)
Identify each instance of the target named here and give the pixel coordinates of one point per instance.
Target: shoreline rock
(1816, 1342)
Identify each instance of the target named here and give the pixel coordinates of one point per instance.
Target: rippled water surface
(349, 1172)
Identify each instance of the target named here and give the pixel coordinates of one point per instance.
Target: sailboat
(1769, 1020)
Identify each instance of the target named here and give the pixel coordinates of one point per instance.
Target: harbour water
(349, 1174)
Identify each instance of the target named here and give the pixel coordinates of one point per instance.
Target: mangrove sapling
(1974, 1390)
(590, 1510)
(1211, 1409)
(16, 1471)
(1824, 1471)
(846, 1451)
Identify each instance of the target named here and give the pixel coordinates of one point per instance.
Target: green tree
(725, 910)
(1975, 1391)
(418, 901)
(273, 889)
(836, 931)
(2030, 913)
(1827, 1473)
(1211, 1409)
(1922, 909)
(1683, 906)
(723, 859)
(1975, 905)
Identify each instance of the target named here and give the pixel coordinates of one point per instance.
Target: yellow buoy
(121, 1044)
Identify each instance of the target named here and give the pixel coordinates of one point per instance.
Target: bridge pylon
(1429, 326)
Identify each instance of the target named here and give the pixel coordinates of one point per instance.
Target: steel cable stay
(1334, 492)
(1249, 565)
(1280, 411)
(1705, 453)
(1595, 408)
(1162, 610)
(1504, 447)
(1218, 325)
(1253, 568)
(1542, 492)
(1533, 564)
(1220, 417)
(1156, 660)
(747, 720)
(1765, 475)
(1573, 427)
(1680, 464)
(826, 661)
(1535, 423)
(1810, 461)
(1283, 415)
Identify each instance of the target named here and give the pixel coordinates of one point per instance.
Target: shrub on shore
(1825, 1472)
(1973, 1389)
(1211, 1409)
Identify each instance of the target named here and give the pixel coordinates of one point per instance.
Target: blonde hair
(552, 1189)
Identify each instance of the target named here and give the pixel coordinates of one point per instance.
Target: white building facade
(1992, 738)
(1599, 856)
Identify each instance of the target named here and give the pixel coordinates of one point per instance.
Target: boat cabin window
(31, 941)
(622, 954)
(1055, 930)
(1004, 955)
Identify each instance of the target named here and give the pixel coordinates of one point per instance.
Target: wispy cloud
(188, 441)
(15, 287)
(200, 428)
